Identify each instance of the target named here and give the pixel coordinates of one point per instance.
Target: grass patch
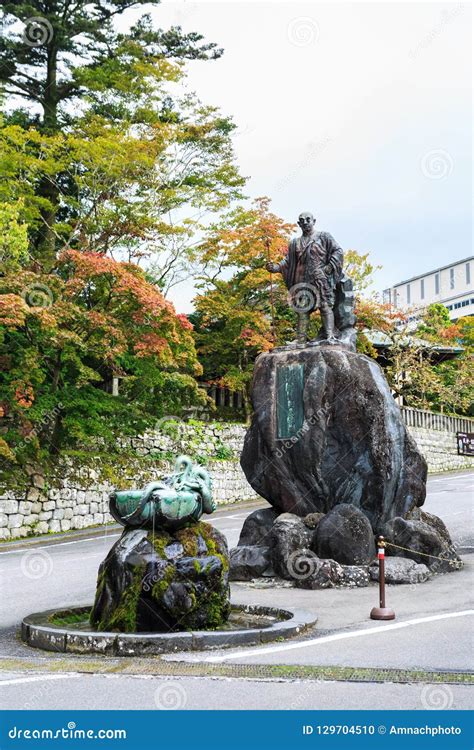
(69, 617)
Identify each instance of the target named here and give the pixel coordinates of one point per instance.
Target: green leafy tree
(456, 386)
(13, 236)
(436, 323)
(105, 156)
(419, 374)
(466, 332)
(360, 269)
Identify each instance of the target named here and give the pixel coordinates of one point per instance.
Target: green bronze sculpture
(172, 503)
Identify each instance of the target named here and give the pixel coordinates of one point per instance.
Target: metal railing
(431, 420)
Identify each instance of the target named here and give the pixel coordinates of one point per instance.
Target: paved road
(65, 573)
(125, 692)
(62, 574)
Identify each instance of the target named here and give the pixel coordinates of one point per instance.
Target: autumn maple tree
(65, 334)
(240, 309)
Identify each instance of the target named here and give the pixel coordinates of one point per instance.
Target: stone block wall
(78, 497)
(440, 450)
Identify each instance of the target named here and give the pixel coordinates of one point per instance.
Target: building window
(436, 283)
(408, 294)
(468, 273)
(451, 278)
(422, 289)
(387, 296)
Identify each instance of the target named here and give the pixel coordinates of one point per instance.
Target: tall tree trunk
(46, 245)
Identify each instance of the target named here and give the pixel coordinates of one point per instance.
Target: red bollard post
(382, 612)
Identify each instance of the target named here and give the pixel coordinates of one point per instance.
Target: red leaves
(97, 310)
(12, 310)
(184, 322)
(150, 344)
(24, 395)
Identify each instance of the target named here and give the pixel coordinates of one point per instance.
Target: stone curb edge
(67, 640)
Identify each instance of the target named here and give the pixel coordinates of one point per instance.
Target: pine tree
(100, 96)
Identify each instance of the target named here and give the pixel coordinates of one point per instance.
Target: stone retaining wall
(78, 498)
(440, 450)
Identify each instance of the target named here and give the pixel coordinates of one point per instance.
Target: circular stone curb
(38, 632)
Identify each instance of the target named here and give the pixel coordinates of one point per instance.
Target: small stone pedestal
(156, 581)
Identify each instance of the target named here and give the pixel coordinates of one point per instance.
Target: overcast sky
(360, 112)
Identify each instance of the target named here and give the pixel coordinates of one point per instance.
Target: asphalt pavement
(432, 631)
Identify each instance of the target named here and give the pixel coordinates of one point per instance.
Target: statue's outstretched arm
(277, 267)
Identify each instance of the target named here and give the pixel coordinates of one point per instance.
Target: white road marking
(324, 639)
(457, 478)
(59, 544)
(34, 678)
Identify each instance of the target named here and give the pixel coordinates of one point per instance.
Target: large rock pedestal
(325, 431)
(155, 581)
(329, 450)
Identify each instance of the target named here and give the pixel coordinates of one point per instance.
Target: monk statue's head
(306, 222)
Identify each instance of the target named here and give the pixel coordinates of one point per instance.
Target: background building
(451, 285)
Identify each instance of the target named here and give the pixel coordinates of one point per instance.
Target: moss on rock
(139, 589)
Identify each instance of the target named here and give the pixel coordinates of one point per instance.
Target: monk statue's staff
(272, 306)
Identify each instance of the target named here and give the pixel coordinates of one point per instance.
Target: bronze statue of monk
(311, 270)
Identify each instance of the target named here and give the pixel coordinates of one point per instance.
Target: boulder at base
(288, 537)
(160, 582)
(328, 574)
(257, 527)
(326, 430)
(425, 539)
(345, 535)
(400, 570)
(249, 561)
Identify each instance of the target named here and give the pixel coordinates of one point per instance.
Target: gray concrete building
(452, 285)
